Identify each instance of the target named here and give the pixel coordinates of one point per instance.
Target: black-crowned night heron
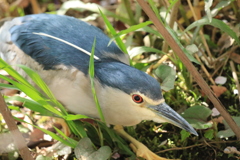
(126, 95)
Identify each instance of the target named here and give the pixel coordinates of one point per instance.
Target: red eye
(137, 98)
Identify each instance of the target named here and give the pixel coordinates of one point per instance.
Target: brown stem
(235, 77)
(16, 134)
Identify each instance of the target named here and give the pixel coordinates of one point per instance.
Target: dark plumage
(50, 52)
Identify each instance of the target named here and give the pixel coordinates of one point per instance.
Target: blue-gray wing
(49, 52)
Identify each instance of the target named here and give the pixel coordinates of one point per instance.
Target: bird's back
(51, 53)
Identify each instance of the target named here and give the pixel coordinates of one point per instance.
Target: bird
(57, 47)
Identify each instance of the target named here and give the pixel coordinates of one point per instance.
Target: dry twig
(16, 134)
(234, 74)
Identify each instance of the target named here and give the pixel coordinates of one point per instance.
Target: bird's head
(128, 96)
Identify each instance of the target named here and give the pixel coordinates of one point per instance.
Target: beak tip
(189, 128)
(194, 132)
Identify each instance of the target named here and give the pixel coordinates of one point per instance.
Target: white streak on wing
(68, 43)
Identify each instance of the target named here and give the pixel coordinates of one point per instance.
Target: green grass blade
(169, 8)
(9, 86)
(176, 39)
(77, 129)
(139, 50)
(39, 103)
(91, 74)
(207, 8)
(71, 143)
(13, 73)
(215, 23)
(113, 32)
(154, 8)
(71, 117)
(116, 139)
(28, 103)
(42, 85)
(131, 29)
(150, 30)
(14, 108)
(33, 94)
(37, 80)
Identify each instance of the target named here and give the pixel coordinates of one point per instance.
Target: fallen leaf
(220, 80)
(218, 120)
(219, 90)
(36, 135)
(215, 112)
(235, 57)
(235, 91)
(225, 41)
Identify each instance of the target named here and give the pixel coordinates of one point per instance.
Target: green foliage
(197, 116)
(154, 8)
(209, 134)
(150, 30)
(135, 51)
(215, 23)
(32, 105)
(85, 150)
(91, 74)
(41, 103)
(132, 29)
(220, 6)
(113, 32)
(228, 131)
(176, 39)
(184, 135)
(208, 4)
(101, 132)
(167, 75)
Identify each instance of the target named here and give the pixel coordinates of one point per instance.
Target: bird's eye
(137, 98)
